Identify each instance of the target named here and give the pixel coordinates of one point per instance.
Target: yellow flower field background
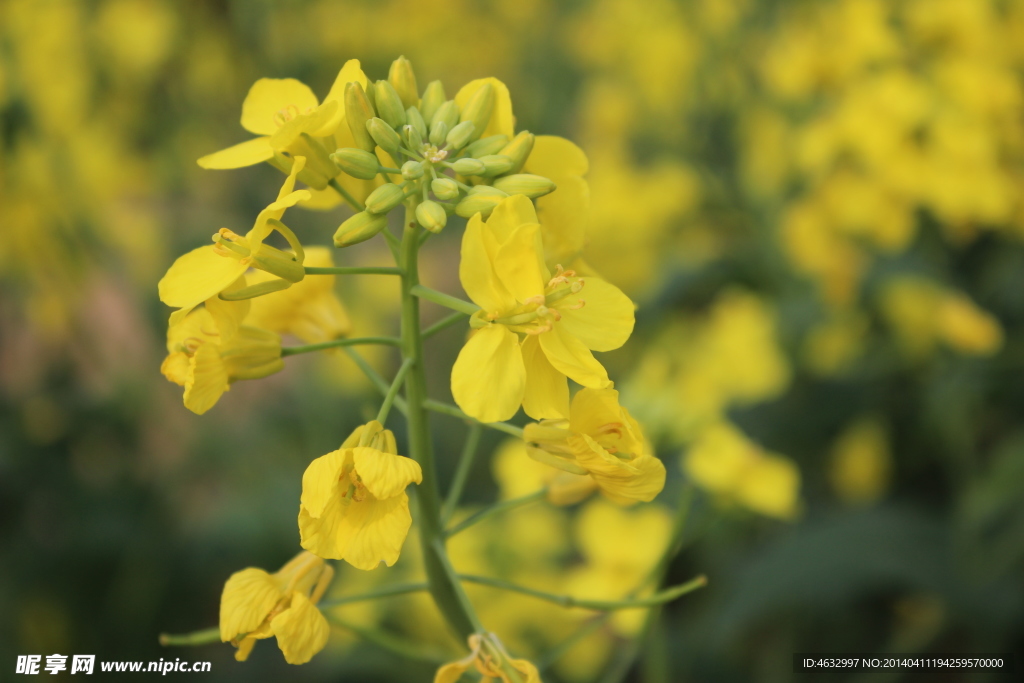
(817, 208)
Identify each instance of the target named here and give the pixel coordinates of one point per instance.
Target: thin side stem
(353, 270)
(335, 343)
(349, 199)
(396, 385)
(496, 509)
(391, 643)
(379, 382)
(385, 592)
(204, 637)
(446, 300)
(393, 244)
(469, 450)
(444, 323)
(658, 598)
(455, 411)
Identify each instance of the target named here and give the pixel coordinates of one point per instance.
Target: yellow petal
(594, 408)
(640, 480)
(196, 276)
(606, 319)
(477, 274)
(385, 475)
(489, 378)
(556, 158)
(363, 533)
(502, 121)
(320, 482)
(272, 101)
(509, 214)
(572, 358)
(547, 391)
(301, 630)
(520, 263)
(771, 486)
(228, 315)
(322, 200)
(351, 72)
(564, 216)
(452, 671)
(208, 379)
(248, 153)
(247, 599)
(175, 367)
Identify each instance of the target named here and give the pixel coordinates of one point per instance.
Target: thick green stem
(354, 341)
(352, 270)
(444, 586)
(496, 509)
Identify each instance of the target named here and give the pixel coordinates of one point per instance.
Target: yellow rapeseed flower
(601, 439)
(491, 661)
(534, 329)
(354, 506)
(256, 604)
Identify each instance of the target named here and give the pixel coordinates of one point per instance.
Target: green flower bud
(415, 119)
(518, 150)
(384, 135)
(461, 134)
(469, 167)
(492, 144)
(531, 185)
(495, 164)
(431, 216)
(359, 228)
(356, 162)
(358, 111)
(411, 137)
(384, 198)
(447, 112)
(433, 97)
(389, 104)
(482, 199)
(411, 170)
(478, 109)
(445, 188)
(438, 132)
(403, 80)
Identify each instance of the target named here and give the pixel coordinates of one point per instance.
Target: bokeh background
(817, 207)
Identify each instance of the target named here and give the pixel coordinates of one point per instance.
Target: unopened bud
(518, 150)
(447, 112)
(356, 162)
(359, 228)
(492, 144)
(482, 199)
(461, 134)
(358, 111)
(445, 188)
(469, 167)
(478, 108)
(403, 80)
(415, 119)
(389, 104)
(384, 198)
(531, 185)
(431, 216)
(411, 137)
(495, 164)
(438, 132)
(433, 97)
(384, 135)
(411, 170)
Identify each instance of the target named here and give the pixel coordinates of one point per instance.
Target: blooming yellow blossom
(354, 506)
(256, 604)
(207, 271)
(534, 329)
(310, 309)
(491, 661)
(564, 214)
(209, 348)
(601, 439)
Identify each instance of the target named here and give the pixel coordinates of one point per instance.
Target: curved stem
(469, 450)
(392, 394)
(496, 509)
(353, 341)
(658, 598)
(455, 411)
(353, 270)
(352, 201)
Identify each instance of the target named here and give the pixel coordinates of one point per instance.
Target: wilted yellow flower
(492, 662)
(601, 439)
(860, 463)
(207, 271)
(723, 460)
(209, 348)
(354, 506)
(310, 309)
(534, 329)
(256, 605)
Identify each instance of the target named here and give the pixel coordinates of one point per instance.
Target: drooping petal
(477, 274)
(320, 535)
(247, 599)
(175, 367)
(196, 276)
(272, 101)
(248, 153)
(373, 531)
(520, 263)
(385, 475)
(594, 408)
(320, 482)
(605, 320)
(452, 671)
(502, 121)
(301, 630)
(572, 358)
(547, 391)
(489, 378)
(622, 482)
(207, 381)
